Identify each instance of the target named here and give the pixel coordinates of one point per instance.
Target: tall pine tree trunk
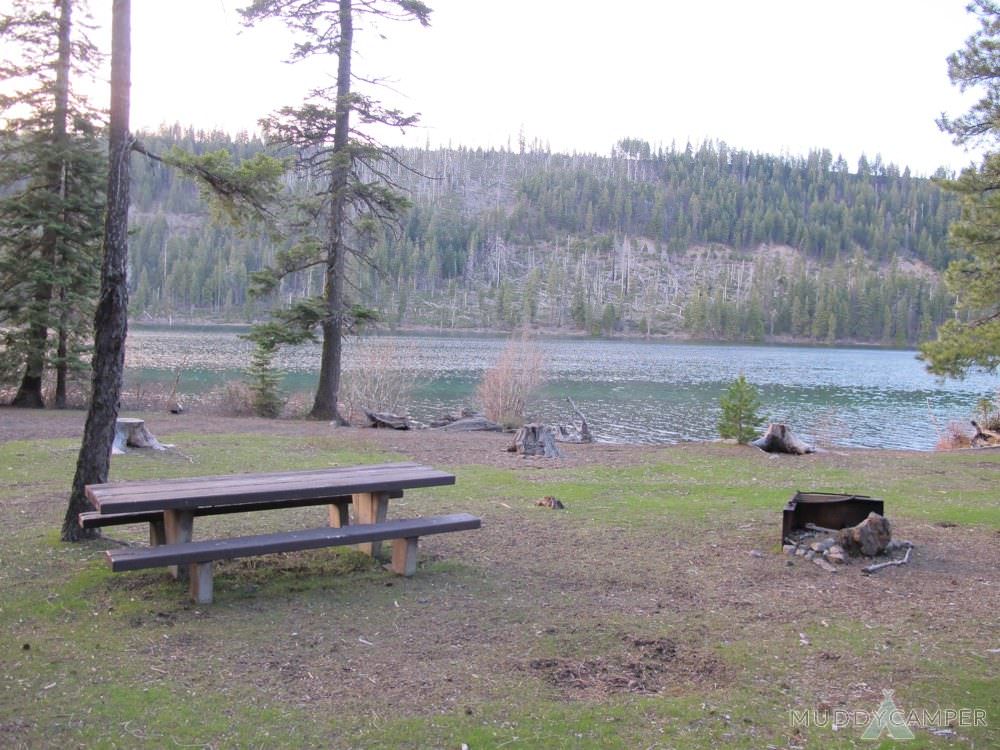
(29, 393)
(325, 403)
(62, 351)
(110, 320)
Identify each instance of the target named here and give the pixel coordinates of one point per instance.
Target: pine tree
(974, 341)
(356, 197)
(241, 193)
(740, 405)
(51, 169)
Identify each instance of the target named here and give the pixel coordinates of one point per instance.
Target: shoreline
(543, 332)
(39, 424)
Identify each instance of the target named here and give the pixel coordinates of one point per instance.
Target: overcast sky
(774, 76)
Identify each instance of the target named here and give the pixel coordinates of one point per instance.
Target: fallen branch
(984, 436)
(821, 529)
(902, 561)
(585, 436)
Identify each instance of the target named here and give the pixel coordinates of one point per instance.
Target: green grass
(699, 490)
(326, 649)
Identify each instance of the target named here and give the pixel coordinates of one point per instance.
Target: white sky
(774, 76)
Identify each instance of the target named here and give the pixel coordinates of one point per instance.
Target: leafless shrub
(234, 398)
(954, 437)
(506, 387)
(297, 405)
(380, 377)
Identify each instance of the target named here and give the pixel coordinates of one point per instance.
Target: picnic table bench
(170, 506)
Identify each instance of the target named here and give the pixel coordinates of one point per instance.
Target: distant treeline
(709, 241)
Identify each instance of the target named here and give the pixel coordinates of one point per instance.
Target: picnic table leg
(201, 582)
(178, 526)
(338, 514)
(404, 556)
(157, 533)
(370, 507)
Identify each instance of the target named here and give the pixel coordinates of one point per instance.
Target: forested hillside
(709, 242)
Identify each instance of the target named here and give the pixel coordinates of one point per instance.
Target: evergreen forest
(706, 242)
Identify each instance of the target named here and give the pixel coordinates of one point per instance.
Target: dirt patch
(646, 666)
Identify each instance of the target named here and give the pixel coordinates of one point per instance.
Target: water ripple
(631, 391)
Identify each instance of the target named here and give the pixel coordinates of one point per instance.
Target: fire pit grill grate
(826, 509)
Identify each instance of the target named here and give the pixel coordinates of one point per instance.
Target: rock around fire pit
(831, 529)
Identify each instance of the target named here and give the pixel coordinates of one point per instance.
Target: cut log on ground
(472, 424)
(379, 419)
(535, 440)
(779, 439)
(132, 432)
(870, 537)
(447, 419)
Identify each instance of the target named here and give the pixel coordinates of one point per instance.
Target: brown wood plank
(301, 489)
(94, 519)
(136, 558)
(236, 482)
(138, 488)
(130, 487)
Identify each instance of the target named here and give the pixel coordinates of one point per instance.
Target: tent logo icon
(888, 718)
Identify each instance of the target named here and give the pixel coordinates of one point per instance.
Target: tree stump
(132, 432)
(535, 440)
(779, 439)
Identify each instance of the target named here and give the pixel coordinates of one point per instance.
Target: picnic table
(170, 506)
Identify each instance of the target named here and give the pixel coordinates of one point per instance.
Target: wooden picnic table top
(238, 489)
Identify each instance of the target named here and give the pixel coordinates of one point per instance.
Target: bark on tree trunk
(62, 348)
(29, 392)
(328, 389)
(110, 320)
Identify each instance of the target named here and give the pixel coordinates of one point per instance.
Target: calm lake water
(631, 391)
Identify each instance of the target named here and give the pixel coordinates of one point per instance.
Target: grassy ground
(635, 618)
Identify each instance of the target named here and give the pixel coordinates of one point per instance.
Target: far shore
(678, 337)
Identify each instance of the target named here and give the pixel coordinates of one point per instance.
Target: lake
(631, 391)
